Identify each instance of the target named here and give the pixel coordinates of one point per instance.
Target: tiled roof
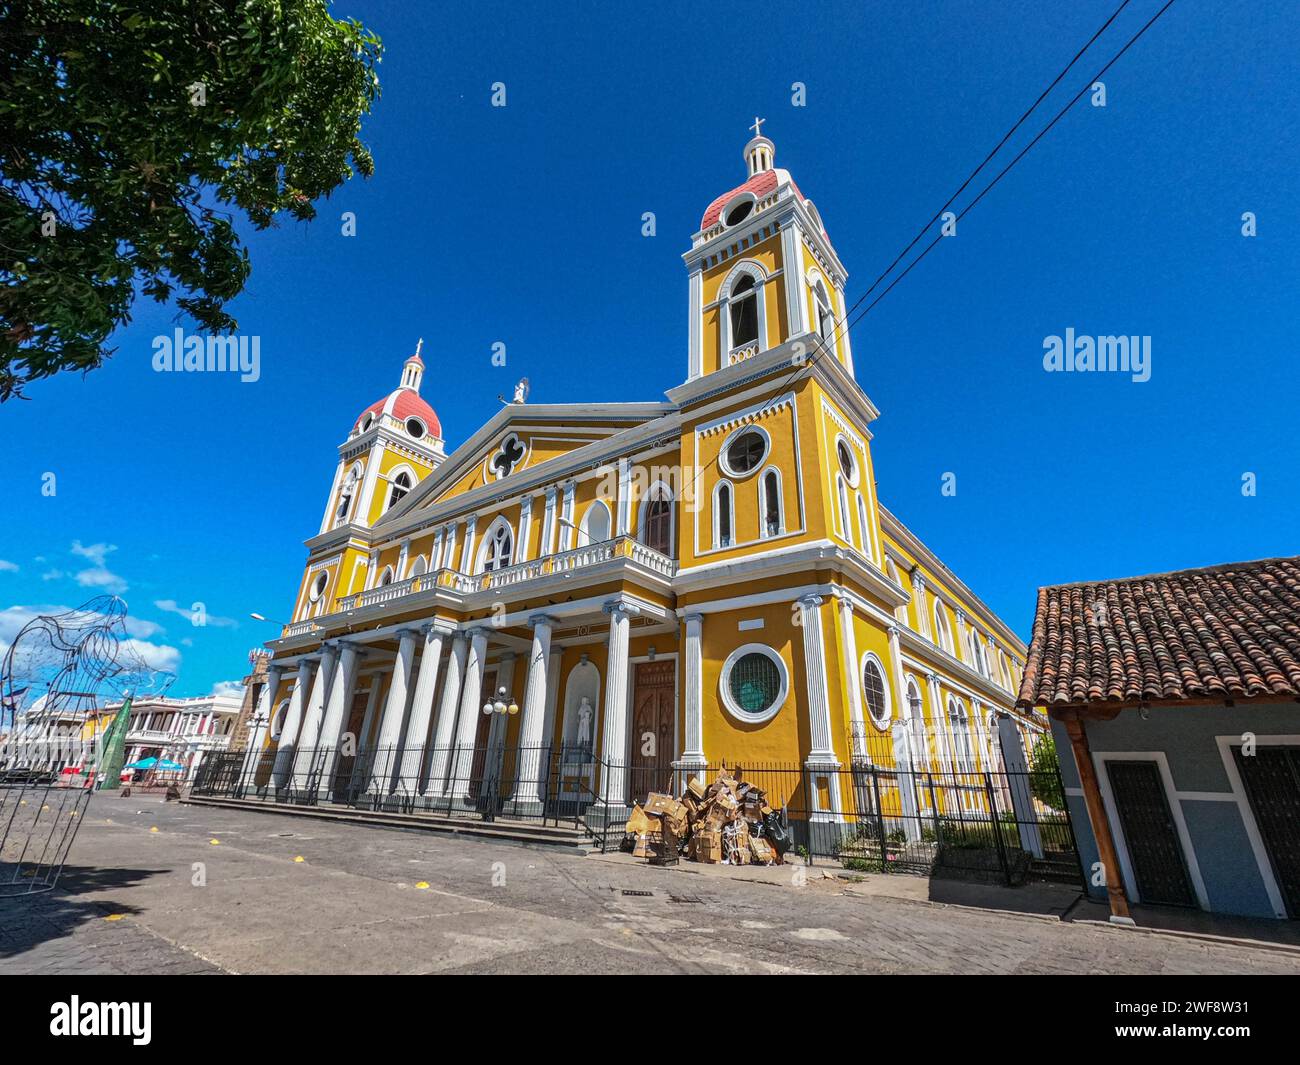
(406, 403)
(1223, 632)
(760, 185)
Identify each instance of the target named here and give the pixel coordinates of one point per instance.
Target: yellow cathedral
(584, 602)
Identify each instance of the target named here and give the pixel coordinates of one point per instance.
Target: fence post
(997, 829)
(880, 818)
(934, 809)
(807, 814)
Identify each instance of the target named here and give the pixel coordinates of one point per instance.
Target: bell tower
(763, 271)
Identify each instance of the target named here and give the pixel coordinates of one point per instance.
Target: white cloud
(188, 613)
(228, 687)
(159, 656)
(95, 552)
(99, 577)
(7, 567)
(53, 575)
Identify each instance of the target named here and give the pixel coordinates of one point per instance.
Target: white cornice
(940, 573)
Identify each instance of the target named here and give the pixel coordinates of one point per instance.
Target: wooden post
(1100, 825)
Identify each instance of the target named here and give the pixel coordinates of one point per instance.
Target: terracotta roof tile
(1222, 632)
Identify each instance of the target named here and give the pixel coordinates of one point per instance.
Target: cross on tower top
(419, 344)
(758, 122)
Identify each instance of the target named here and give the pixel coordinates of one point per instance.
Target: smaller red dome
(404, 403)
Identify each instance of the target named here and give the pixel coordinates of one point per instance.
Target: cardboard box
(638, 822)
(761, 851)
(658, 803)
(695, 787)
(708, 846)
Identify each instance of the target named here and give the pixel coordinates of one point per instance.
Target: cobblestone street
(216, 890)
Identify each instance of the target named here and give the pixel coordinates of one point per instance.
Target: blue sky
(522, 225)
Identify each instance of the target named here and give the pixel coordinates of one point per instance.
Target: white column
(444, 728)
(613, 739)
(292, 721)
(390, 725)
(964, 650)
(624, 503)
(336, 712)
(693, 760)
(435, 552)
(939, 722)
(467, 719)
(525, 527)
(536, 687)
(312, 715)
(896, 671)
(417, 728)
(849, 648)
(363, 741)
(261, 723)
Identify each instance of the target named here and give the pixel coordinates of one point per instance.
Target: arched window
(401, 485)
(387, 576)
(498, 547)
(770, 503)
(915, 712)
(417, 568)
(959, 727)
(825, 316)
(842, 496)
(942, 631)
(723, 515)
(595, 524)
(875, 689)
(864, 529)
(277, 719)
(657, 521)
(744, 312)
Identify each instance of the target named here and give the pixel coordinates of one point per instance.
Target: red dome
(760, 185)
(402, 404)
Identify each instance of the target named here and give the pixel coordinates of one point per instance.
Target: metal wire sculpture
(56, 735)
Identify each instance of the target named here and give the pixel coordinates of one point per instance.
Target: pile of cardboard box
(728, 822)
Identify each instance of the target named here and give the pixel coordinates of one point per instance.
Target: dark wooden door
(1271, 776)
(1154, 850)
(653, 738)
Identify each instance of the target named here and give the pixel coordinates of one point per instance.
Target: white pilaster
(525, 528)
(819, 706)
(796, 297)
(444, 728)
(624, 496)
(696, 329)
(567, 533)
(548, 525)
(852, 681)
(613, 740)
(467, 555)
(536, 688)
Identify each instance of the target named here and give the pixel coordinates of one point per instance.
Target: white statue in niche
(584, 723)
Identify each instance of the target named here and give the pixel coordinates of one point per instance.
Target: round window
(367, 422)
(873, 685)
(415, 427)
(754, 683)
(738, 212)
(745, 452)
(848, 465)
(318, 586)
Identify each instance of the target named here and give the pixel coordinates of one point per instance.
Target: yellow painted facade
(728, 537)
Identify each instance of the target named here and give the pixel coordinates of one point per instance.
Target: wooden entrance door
(653, 737)
(1154, 850)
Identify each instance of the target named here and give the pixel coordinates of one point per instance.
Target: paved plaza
(169, 888)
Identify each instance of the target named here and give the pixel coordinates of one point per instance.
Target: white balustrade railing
(571, 561)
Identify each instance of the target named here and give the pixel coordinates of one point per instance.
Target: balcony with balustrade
(621, 557)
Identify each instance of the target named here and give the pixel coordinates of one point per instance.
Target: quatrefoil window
(508, 457)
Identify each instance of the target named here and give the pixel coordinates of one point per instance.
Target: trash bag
(776, 830)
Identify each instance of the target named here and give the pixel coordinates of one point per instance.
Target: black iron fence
(958, 822)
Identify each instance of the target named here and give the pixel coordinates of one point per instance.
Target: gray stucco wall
(1220, 846)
